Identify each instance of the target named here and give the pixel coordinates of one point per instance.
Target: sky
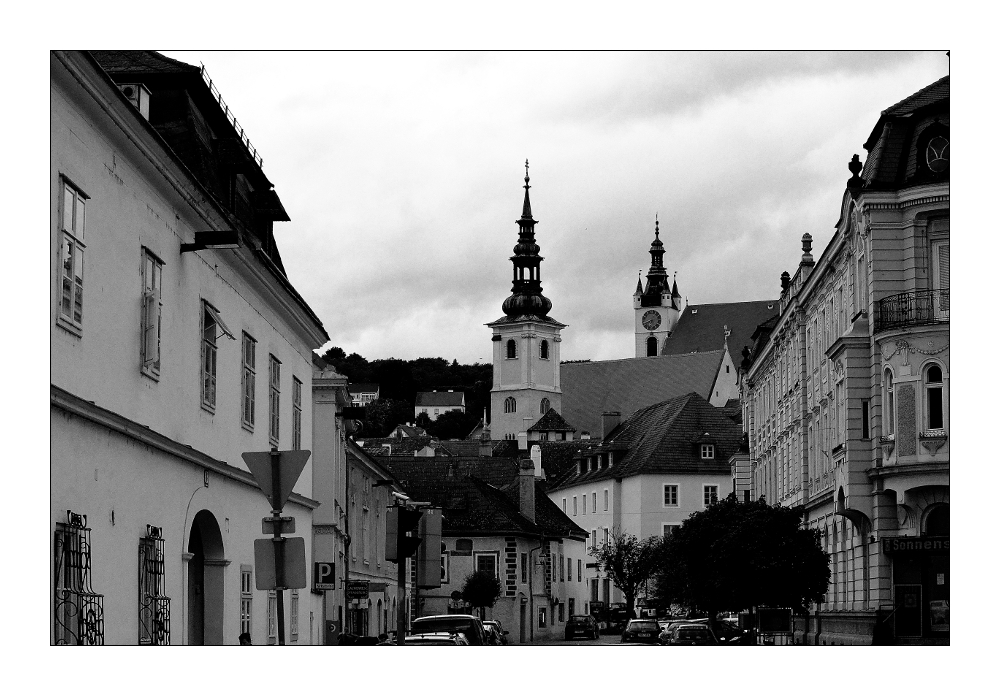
(402, 174)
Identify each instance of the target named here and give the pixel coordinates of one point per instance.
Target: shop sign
(357, 589)
(940, 615)
(893, 545)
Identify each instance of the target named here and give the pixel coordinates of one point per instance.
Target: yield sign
(289, 465)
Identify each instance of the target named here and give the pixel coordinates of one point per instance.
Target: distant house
(363, 393)
(591, 389)
(497, 518)
(434, 403)
(646, 475)
(551, 426)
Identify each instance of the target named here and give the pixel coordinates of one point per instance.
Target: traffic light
(429, 553)
(398, 521)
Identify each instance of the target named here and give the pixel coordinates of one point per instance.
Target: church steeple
(527, 300)
(657, 281)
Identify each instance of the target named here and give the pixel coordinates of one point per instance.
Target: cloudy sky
(402, 175)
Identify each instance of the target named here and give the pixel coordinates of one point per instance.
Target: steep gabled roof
(591, 388)
(664, 438)
(702, 327)
(550, 422)
(141, 62)
(478, 495)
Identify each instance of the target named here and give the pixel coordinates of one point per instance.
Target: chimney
(526, 489)
(485, 446)
(536, 457)
(609, 421)
(522, 442)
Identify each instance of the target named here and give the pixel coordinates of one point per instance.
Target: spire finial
(657, 225)
(526, 177)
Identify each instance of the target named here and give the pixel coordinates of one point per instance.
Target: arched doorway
(651, 347)
(206, 581)
(938, 521)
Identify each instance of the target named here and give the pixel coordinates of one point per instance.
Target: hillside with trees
(400, 380)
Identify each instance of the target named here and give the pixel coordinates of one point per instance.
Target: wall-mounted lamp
(226, 239)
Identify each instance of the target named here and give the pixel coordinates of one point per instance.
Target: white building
(169, 359)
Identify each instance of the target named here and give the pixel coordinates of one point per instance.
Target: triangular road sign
(290, 466)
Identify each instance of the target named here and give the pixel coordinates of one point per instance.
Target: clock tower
(525, 342)
(657, 307)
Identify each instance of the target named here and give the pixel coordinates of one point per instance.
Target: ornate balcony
(916, 308)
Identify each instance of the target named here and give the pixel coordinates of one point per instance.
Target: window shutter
(150, 338)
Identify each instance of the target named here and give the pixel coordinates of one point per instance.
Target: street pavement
(604, 639)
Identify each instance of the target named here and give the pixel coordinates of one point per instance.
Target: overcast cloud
(402, 175)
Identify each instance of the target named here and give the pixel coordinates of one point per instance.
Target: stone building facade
(845, 395)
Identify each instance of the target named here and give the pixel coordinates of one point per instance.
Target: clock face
(651, 320)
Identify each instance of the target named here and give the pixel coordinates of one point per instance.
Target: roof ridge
(915, 94)
(645, 357)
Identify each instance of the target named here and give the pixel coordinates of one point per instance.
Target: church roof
(702, 327)
(550, 422)
(592, 388)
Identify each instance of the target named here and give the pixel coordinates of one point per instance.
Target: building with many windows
(434, 403)
(845, 394)
(178, 343)
(645, 475)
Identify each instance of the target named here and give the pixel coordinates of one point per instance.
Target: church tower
(658, 306)
(525, 342)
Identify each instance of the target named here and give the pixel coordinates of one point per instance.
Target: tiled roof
(399, 445)
(437, 398)
(368, 387)
(141, 62)
(478, 495)
(552, 421)
(665, 438)
(591, 388)
(557, 457)
(461, 448)
(702, 327)
(934, 92)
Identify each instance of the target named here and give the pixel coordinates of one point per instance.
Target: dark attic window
(463, 547)
(707, 451)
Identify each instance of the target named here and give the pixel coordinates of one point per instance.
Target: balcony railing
(240, 133)
(912, 309)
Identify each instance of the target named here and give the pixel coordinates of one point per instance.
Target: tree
(481, 590)
(628, 562)
(382, 415)
(451, 425)
(733, 556)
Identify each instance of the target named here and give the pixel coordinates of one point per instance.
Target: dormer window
(708, 451)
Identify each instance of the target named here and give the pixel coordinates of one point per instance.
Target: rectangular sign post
(276, 473)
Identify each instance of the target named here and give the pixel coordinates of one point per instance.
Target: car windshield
(692, 631)
(445, 625)
(642, 626)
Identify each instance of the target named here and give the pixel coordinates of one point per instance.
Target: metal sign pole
(279, 546)
(400, 582)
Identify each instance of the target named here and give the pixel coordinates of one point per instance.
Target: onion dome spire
(527, 300)
(657, 281)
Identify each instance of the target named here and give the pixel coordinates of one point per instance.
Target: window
(293, 616)
(593, 501)
(272, 617)
(711, 495)
(934, 398)
(296, 413)
(246, 598)
(154, 605)
(651, 347)
(78, 612)
(71, 246)
(249, 380)
(543, 350)
(670, 495)
(444, 565)
(510, 405)
(211, 324)
(572, 606)
(562, 569)
(668, 529)
(579, 570)
(562, 612)
(888, 403)
(524, 567)
(511, 349)
(463, 547)
(152, 270)
(543, 406)
(574, 506)
(708, 451)
(607, 536)
(865, 428)
(605, 498)
(274, 397)
(593, 538)
(564, 505)
(594, 590)
(363, 538)
(541, 617)
(584, 503)
(488, 562)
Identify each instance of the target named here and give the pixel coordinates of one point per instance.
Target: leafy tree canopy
(629, 562)
(733, 556)
(481, 590)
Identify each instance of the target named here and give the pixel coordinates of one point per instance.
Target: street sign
(293, 571)
(357, 589)
(323, 576)
(285, 525)
(290, 465)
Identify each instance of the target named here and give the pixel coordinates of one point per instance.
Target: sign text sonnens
(904, 544)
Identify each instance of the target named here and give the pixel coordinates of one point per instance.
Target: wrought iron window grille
(154, 606)
(78, 610)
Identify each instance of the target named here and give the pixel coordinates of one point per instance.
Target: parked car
(466, 624)
(498, 628)
(665, 627)
(436, 638)
(640, 631)
(581, 625)
(690, 634)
